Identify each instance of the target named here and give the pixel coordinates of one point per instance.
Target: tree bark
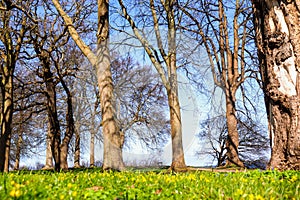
(278, 41)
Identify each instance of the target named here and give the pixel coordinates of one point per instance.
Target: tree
(141, 102)
(165, 64)
(225, 30)
(27, 116)
(113, 137)
(278, 42)
(215, 131)
(253, 142)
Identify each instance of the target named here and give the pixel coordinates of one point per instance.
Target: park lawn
(94, 184)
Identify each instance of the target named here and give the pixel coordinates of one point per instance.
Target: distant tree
(214, 131)
(254, 144)
(28, 117)
(140, 101)
(278, 42)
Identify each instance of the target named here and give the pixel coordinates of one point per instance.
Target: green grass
(94, 184)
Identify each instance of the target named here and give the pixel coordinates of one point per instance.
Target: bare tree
(278, 43)
(253, 142)
(141, 102)
(214, 131)
(225, 31)
(165, 63)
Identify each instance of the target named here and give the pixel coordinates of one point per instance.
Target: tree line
(60, 78)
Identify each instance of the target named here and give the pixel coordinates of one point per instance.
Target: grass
(135, 184)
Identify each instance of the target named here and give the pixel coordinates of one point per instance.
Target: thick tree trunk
(232, 141)
(278, 41)
(113, 139)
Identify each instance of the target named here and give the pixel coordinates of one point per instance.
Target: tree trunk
(92, 150)
(113, 139)
(54, 134)
(77, 148)
(232, 141)
(49, 157)
(18, 151)
(64, 148)
(7, 154)
(6, 115)
(278, 42)
(178, 162)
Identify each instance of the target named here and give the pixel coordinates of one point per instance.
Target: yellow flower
(258, 197)
(12, 182)
(15, 193)
(61, 197)
(251, 197)
(294, 178)
(69, 185)
(74, 193)
(239, 192)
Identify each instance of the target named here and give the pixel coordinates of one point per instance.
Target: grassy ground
(150, 184)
